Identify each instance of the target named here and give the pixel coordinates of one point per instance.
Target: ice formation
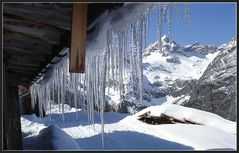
(114, 52)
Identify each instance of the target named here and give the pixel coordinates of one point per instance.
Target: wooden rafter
(31, 33)
(26, 45)
(41, 15)
(23, 52)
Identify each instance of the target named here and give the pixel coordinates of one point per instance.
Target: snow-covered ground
(126, 132)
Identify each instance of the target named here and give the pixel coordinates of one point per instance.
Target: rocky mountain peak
(169, 46)
(165, 39)
(229, 45)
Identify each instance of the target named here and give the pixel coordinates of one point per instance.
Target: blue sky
(212, 24)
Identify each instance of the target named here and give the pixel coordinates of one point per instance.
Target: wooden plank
(25, 68)
(23, 63)
(14, 64)
(28, 32)
(55, 18)
(15, 20)
(18, 75)
(78, 38)
(27, 45)
(19, 20)
(23, 53)
(25, 58)
(163, 119)
(20, 72)
(63, 7)
(145, 114)
(22, 68)
(22, 37)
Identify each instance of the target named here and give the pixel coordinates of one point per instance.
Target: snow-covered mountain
(170, 74)
(216, 88)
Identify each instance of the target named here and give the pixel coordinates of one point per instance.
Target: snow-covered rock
(54, 138)
(167, 46)
(204, 49)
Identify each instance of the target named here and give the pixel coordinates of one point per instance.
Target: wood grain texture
(78, 38)
(55, 18)
(31, 33)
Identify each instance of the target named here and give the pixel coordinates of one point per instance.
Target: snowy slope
(173, 63)
(157, 67)
(126, 132)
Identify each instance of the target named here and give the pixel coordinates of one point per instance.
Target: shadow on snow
(129, 140)
(70, 119)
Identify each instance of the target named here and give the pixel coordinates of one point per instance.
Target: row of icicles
(107, 68)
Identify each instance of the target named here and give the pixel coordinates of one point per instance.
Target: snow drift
(126, 132)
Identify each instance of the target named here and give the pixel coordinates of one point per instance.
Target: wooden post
(78, 38)
(11, 114)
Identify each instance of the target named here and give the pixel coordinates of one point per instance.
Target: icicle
(145, 30)
(75, 85)
(159, 26)
(53, 96)
(63, 73)
(48, 98)
(102, 94)
(177, 12)
(117, 65)
(140, 69)
(88, 87)
(125, 54)
(120, 36)
(169, 21)
(84, 93)
(188, 14)
(58, 88)
(165, 10)
(132, 60)
(80, 88)
(108, 59)
(98, 81)
(32, 92)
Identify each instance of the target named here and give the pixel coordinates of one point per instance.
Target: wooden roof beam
(21, 68)
(13, 42)
(32, 33)
(41, 15)
(24, 63)
(78, 38)
(24, 52)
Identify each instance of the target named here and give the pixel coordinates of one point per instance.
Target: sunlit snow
(126, 132)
